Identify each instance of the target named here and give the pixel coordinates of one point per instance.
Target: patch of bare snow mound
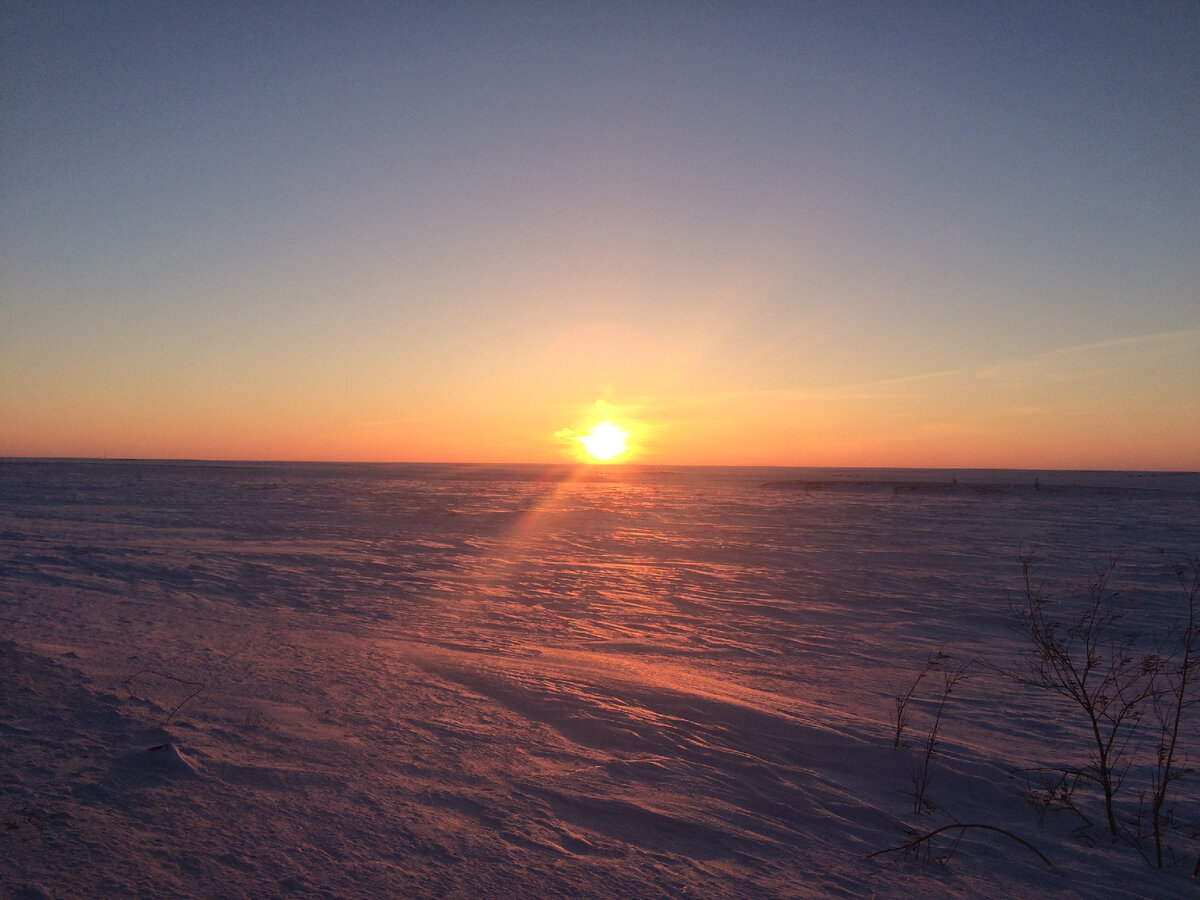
(158, 762)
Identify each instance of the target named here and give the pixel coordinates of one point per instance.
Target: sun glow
(605, 441)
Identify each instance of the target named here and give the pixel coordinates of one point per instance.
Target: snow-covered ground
(447, 681)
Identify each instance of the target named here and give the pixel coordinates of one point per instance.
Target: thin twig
(916, 842)
(197, 685)
(904, 700)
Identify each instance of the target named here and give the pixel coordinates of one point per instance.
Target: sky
(812, 233)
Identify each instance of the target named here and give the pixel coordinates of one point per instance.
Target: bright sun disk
(605, 441)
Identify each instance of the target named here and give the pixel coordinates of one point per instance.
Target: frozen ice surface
(356, 681)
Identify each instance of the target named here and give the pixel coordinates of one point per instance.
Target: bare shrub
(1091, 660)
(923, 767)
(1136, 693)
(1176, 692)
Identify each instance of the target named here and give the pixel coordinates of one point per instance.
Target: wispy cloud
(1088, 360)
(1061, 365)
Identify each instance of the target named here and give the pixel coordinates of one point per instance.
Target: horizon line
(213, 461)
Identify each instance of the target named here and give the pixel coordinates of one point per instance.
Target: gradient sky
(945, 234)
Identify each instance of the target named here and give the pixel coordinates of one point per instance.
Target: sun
(605, 441)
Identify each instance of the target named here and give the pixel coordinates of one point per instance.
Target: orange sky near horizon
(947, 420)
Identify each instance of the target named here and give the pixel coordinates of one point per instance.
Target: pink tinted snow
(445, 682)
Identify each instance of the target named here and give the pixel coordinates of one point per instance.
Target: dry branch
(196, 686)
(962, 826)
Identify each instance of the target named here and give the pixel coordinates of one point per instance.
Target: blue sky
(814, 233)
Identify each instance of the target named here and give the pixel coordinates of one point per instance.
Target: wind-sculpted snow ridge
(356, 681)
